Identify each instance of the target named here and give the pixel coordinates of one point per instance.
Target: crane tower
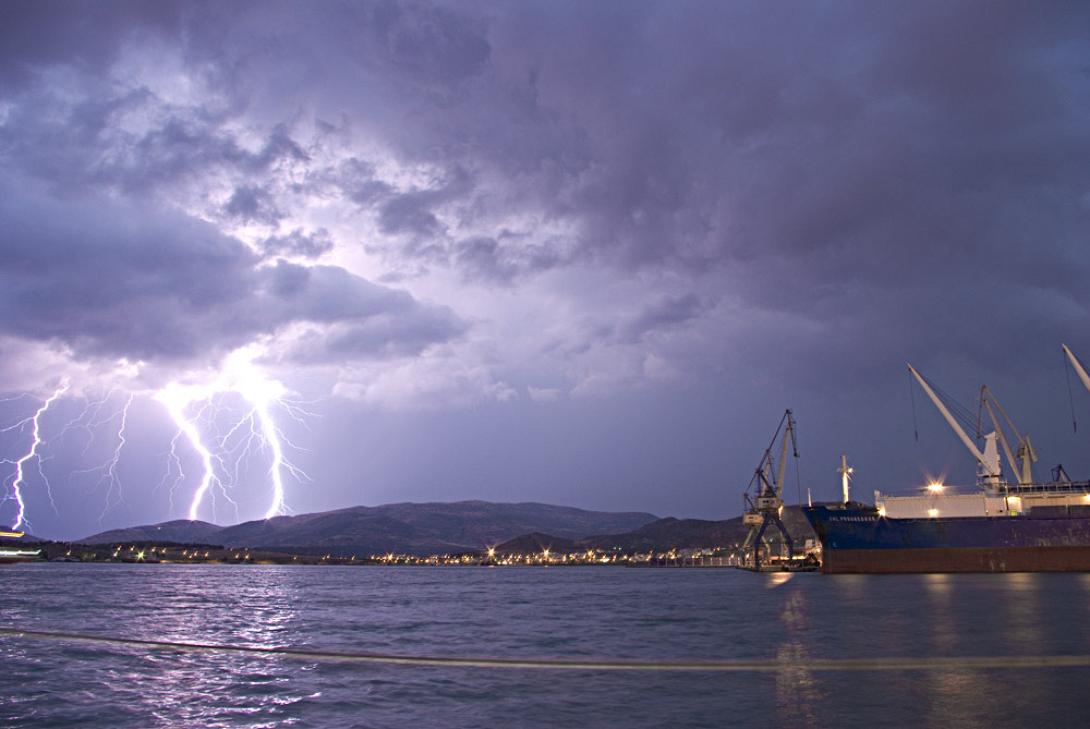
(764, 496)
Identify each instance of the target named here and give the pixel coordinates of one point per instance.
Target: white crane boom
(999, 431)
(954, 425)
(1079, 369)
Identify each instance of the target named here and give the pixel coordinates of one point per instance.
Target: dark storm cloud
(430, 43)
(249, 203)
(189, 144)
(721, 137)
(914, 170)
(314, 244)
(664, 314)
(758, 200)
(353, 179)
(73, 143)
(110, 279)
(410, 213)
(484, 259)
(36, 33)
(853, 162)
(388, 334)
(848, 162)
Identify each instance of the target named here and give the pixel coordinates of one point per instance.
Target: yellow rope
(739, 665)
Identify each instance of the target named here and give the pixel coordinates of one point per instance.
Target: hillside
(181, 531)
(662, 535)
(404, 528)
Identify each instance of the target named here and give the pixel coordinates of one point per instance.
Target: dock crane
(1022, 464)
(764, 507)
(988, 471)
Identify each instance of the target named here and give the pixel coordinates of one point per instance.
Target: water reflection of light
(1020, 581)
(944, 634)
(852, 586)
(208, 605)
(798, 693)
(775, 579)
(1020, 597)
(938, 585)
(957, 697)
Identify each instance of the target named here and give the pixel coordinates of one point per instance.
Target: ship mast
(845, 472)
(988, 460)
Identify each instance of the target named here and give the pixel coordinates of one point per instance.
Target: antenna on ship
(845, 472)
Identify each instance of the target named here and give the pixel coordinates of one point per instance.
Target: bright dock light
(932, 513)
(935, 487)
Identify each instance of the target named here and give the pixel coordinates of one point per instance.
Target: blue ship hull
(855, 539)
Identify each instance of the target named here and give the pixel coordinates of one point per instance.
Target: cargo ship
(1003, 525)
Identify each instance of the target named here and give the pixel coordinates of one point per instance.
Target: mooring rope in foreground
(739, 665)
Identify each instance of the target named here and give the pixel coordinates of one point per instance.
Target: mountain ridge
(404, 527)
(661, 535)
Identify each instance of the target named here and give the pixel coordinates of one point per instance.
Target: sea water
(580, 613)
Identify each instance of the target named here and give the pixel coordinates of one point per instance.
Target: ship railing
(1008, 489)
(1067, 487)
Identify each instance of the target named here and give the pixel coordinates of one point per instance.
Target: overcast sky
(583, 253)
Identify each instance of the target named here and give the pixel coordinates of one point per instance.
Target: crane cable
(912, 398)
(1070, 395)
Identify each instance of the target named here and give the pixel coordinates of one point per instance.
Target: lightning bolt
(177, 399)
(107, 471)
(276, 468)
(89, 419)
(111, 478)
(262, 393)
(273, 437)
(256, 435)
(109, 475)
(257, 432)
(242, 377)
(173, 462)
(32, 454)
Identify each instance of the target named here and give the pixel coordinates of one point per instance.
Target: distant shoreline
(72, 553)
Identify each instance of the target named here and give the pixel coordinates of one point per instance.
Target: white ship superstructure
(995, 496)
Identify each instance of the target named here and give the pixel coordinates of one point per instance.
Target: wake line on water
(724, 666)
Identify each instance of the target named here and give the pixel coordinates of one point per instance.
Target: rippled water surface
(583, 613)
